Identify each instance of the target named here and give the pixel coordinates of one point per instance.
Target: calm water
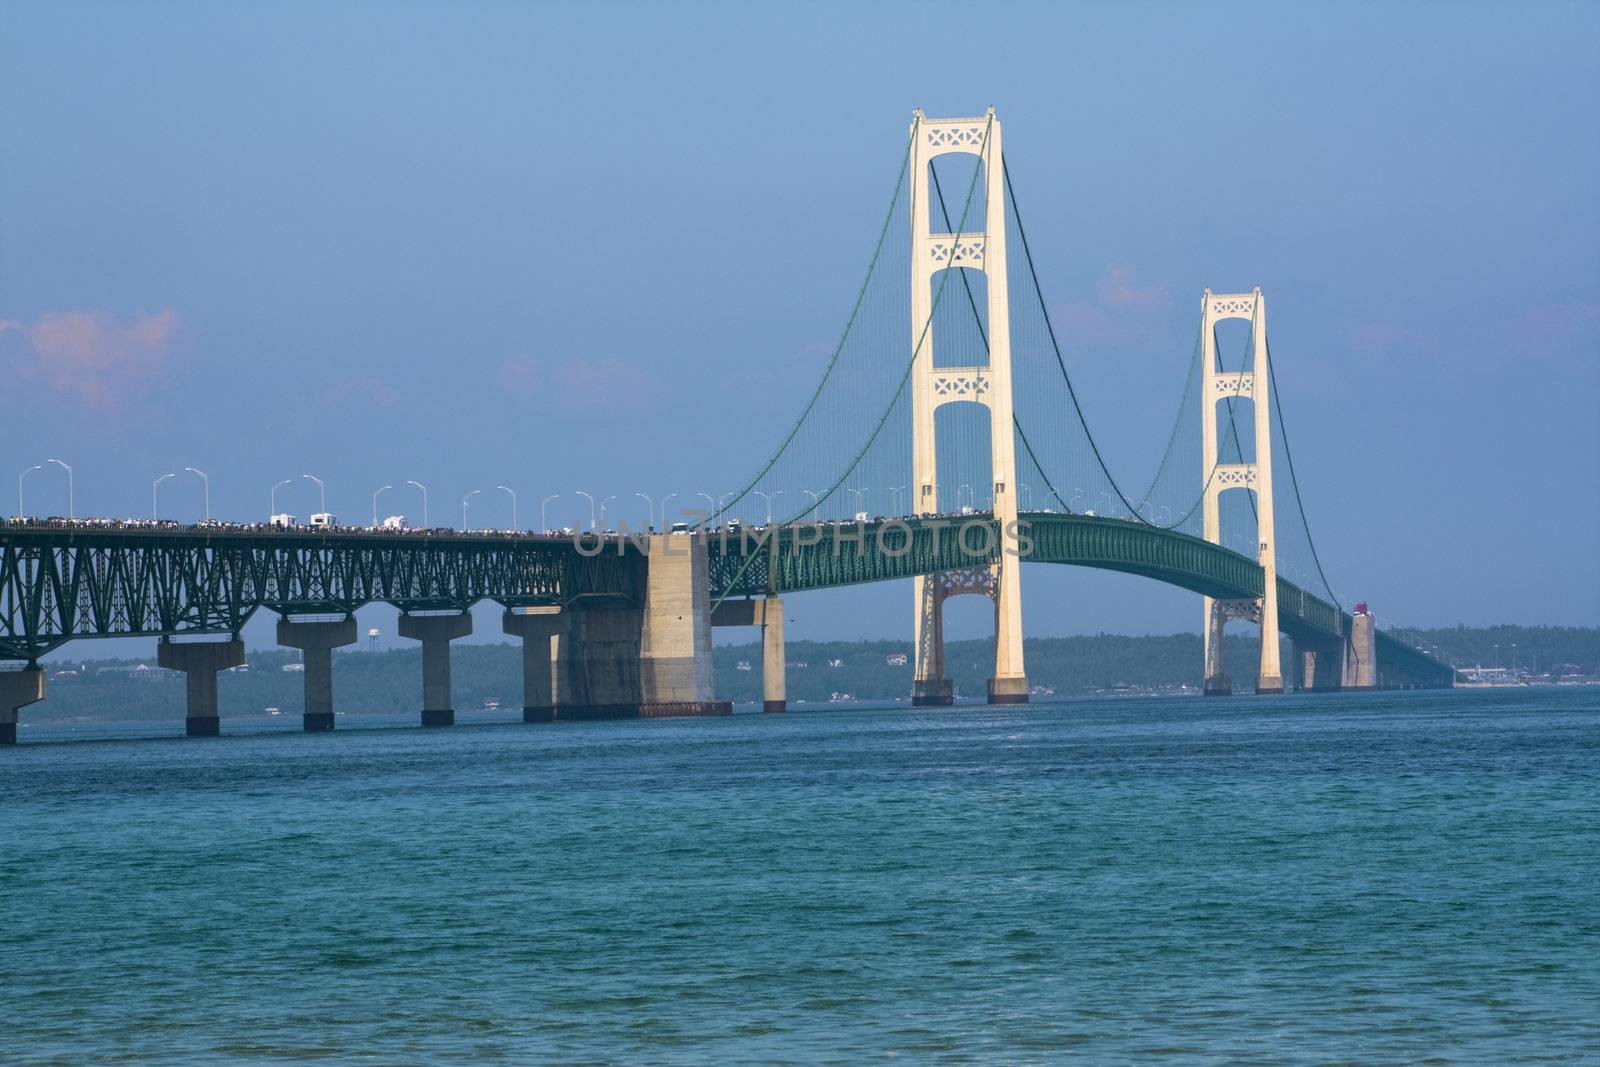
(1359, 877)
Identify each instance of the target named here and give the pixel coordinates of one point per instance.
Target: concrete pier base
(436, 632)
(774, 690)
(1009, 690)
(538, 629)
(316, 642)
(1215, 671)
(1319, 665)
(621, 661)
(200, 661)
(18, 689)
(766, 613)
(1360, 671)
(932, 693)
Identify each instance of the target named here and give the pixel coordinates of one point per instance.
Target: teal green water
(1377, 878)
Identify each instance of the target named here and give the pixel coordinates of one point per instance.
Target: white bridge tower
(988, 384)
(1217, 389)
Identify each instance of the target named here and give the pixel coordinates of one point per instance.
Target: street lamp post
(272, 498)
(859, 493)
(603, 504)
(894, 498)
(36, 467)
(424, 489)
(72, 508)
(650, 521)
(543, 524)
(322, 492)
(665, 525)
(376, 493)
(590, 499)
(513, 493)
(768, 498)
(973, 496)
(464, 527)
(206, 481)
(154, 513)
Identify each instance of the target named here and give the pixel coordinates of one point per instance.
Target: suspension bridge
(948, 384)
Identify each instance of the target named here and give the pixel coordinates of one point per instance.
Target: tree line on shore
(819, 671)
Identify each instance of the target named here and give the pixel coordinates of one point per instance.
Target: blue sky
(602, 246)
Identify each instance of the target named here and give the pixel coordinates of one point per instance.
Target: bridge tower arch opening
(1220, 390)
(985, 380)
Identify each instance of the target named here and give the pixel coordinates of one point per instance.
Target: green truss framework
(62, 583)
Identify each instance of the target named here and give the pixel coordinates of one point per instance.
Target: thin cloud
(374, 391)
(578, 381)
(1117, 289)
(91, 357)
(1121, 311)
(519, 375)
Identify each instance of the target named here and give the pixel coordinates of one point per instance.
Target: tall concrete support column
(1320, 665)
(436, 632)
(316, 642)
(1361, 654)
(1219, 387)
(200, 661)
(984, 379)
(676, 674)
(538, 629)
(929, 686)
(18, 689)
(766, 613)
(774, 693)
(654, 661)
(1217, 683)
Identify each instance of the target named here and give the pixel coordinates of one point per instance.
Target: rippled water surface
(1357, 877)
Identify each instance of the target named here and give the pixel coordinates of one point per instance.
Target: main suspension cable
(838, 349)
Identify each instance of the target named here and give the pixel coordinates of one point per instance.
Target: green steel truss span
(820, 557)
(60, 582)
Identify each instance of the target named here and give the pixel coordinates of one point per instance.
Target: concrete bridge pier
(1318, 665)
(1360, 669)
(774, 691)
(539, 630)
(200, 661)
(626, 661)
(436, 632)
(766, 613)
(18, 689)
(1217, 683)
(316, 642)
(929, 687)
